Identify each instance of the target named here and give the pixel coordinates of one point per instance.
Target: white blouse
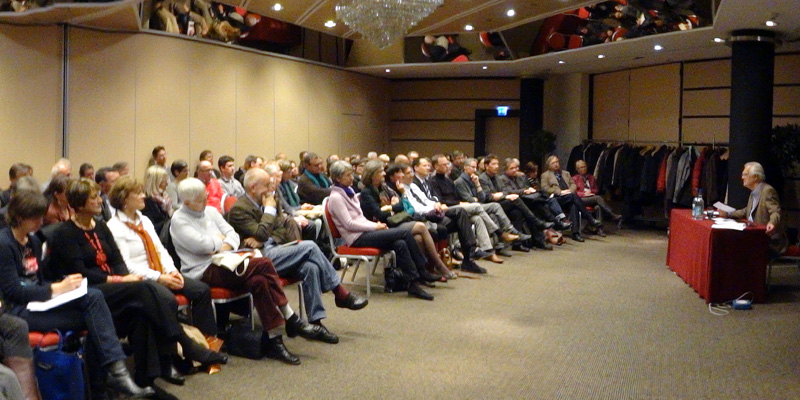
(131, 246)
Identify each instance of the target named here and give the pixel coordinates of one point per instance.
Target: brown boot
(23, 368)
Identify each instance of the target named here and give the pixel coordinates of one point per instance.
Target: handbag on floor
(241, 341)
(60, 373)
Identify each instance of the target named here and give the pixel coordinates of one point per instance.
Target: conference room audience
(513, 182)
(205, 173)
(559, 183)
(86, 170)
(312, 184)
(157, 202)
(144, 311)
(230, 185)
(17, 170)
(179, 171)
(105, 178)
(58, 209)
(586, 189)
(358, 231)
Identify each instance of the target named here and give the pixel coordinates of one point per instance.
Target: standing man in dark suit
(763, 207)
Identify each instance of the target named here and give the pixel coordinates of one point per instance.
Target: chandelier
(384, 21)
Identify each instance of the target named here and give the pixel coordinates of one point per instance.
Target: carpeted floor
(605, 319)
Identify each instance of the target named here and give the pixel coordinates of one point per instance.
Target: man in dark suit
(105, 178)
(559, 183)
(258, 219)
(313, 185)
(763, 207)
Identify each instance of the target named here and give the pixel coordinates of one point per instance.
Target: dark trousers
(409, 257)
(460, 223)
(575, 205)
(520, 216)
(262, 281)
(200, 295)
(14, 337)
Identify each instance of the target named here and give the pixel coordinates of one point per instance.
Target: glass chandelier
(384, 21)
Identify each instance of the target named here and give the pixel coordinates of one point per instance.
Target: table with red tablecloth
(719, 264)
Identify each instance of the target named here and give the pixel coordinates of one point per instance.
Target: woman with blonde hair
(157, 202)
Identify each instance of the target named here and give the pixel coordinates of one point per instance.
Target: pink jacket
(347, 215)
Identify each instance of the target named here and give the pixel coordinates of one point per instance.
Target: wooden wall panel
(786, 68)
(655, 103)
(611, 106)
(30, 99)
(444, 109)
(707, 102)
(255, 106)
(456, 89)
(780, 121)
(429, 148)
(324, 128)
(706, 130)
(291, 106)
(444, 130)
(102, 98)
(786, 100)
(163, 98)
(705, 74)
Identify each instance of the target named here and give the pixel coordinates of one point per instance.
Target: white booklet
(61, 299)
(724, 207)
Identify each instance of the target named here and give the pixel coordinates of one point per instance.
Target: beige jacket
(768, 210)
(549, 182)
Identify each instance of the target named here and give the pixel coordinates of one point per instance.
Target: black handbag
(242, 341)
(398, 219)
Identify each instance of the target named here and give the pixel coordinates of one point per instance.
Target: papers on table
(61, 299)
(724, 207)
(726, 223)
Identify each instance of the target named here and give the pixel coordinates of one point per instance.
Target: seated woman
(358, 231)
(587, 191)
(56, 193)
(180, 170)
(199, 232)
(559, 183)
(144, 254)
(22, 281)
(143, 310)
(379, 202)
(157, 203)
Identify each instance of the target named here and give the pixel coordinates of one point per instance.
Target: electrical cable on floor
(740, 303)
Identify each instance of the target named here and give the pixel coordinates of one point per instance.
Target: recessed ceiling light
(277, 7)
(657, 47)
(330, 24)
(562, 62)
(771, 23)
(718, 40)
(468, 27)
(485, 67)
(511, 12)
(601, 56)
(388, 70)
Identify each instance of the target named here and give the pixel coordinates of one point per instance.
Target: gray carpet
(605, 319)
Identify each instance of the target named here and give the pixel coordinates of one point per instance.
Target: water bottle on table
(698, 205)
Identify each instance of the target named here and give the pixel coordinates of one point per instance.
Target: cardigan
(17, 290)
(196, 238)
(347, 215)
(71, 252)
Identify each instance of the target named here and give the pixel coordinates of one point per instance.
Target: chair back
(228, 203)
(333, 232)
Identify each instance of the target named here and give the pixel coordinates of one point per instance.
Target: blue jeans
(305, 261)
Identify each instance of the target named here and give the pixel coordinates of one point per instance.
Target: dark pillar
(752, 78)
(531, 118)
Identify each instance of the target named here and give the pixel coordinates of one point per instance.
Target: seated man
(458, 220)
(105, 178)
(513, 206)
(313, 185)
(257, 217)
(444, 191)
(281, 174)
(558, 182)
(763, 207)
(229, 184)
(250, 162)
(511, 181)
(17, 170)
(587, 191)
(205, 172)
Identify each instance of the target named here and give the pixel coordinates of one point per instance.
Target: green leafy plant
(786, 148)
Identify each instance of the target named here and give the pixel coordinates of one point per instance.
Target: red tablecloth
(719, 264)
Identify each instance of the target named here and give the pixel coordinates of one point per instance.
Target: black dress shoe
(195, 352)
(457, 255)
(577, 237)
(470, 266)
(325, 335)
(520, 247)
(352, 302)
(119, 380)
(505, 252)
(563, 225)
(416, 291)
(543, 245)
(524, 237)
(595, 224)
(171, 375)
(427, 276)
(276, 350)
(548, 225)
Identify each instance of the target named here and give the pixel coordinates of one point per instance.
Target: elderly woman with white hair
(199, 231)
(358, 231)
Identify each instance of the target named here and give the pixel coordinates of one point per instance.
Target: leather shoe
(416, 291)
(494, 258)
(276, 350)
(119, 380)
(173, 376)
(563, 225)
(524, 237)
(427, 276)
(595, 224)
(577, 237)
(325, 335)
(352, 302)
(479, 254)
(520, 247)
(470, 266)
(457, 255)
(543, 245)
(509, 237)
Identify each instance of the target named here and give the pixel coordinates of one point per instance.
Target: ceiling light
(562, 62)
(657, 47)
(771, 23)
(277, 7)
(601, 56)
(718, 40)
(485, 67)
(468, 27)
(382, 22)
(511, 12)
(388, 70)
(330, 24)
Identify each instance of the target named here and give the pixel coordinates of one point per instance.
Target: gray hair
(272, 168)
(191, 189)
(339, 168)
(471, 160)
(252, 175)
(370, 169)
(756, 170)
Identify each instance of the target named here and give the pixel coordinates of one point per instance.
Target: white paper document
(61, 299)
(726, 223)
(724, 207)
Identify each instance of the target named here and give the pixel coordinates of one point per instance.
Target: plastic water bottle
(698, 205)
